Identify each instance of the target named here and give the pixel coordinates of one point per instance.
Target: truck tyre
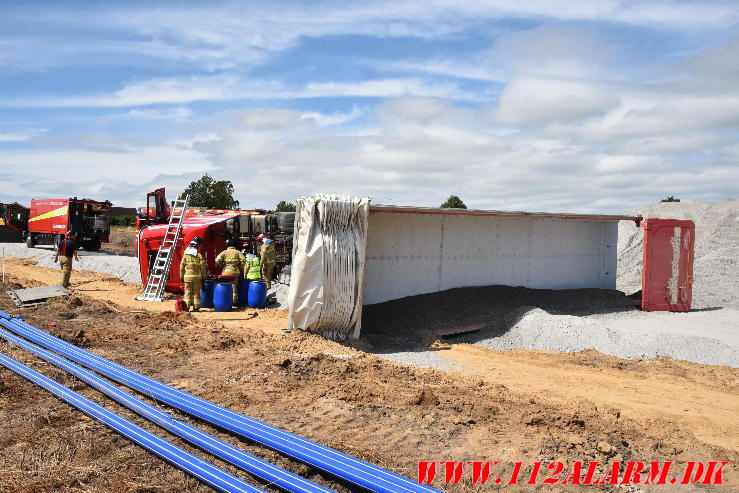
(93, 246)
(29, 240)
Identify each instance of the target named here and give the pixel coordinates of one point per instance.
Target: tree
(670, 199)
(453, 202)
(211, 194)
(283, 206)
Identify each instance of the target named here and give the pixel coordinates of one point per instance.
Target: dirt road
(508, 406)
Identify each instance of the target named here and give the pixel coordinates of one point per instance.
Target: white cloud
(435, 152)
(226, 87)
(176, 113)
(529, 100)
(19, 136)
(226, 35)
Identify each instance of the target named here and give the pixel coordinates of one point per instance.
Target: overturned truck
(214, 226)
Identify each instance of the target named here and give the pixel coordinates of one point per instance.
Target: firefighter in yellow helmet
(192, 273)
(268, 258)
(232, 262)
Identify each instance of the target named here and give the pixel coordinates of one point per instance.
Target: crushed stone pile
(569, 320)
(410, 321)
(716, 267)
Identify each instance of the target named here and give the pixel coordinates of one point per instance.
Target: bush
(126, 221)
(670, 199)
(453, 202)
(283, 206)
(211, 194)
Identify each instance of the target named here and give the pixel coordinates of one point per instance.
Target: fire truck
(214, 226)
(50, 219)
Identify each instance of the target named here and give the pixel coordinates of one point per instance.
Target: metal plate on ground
(35, 296)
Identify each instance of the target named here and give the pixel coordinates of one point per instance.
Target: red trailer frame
(667, 271)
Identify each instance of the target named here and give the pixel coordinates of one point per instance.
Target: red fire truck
(50, 219)
(214, 226)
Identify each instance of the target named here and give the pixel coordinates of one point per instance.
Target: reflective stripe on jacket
(253, 269)
(192, 267)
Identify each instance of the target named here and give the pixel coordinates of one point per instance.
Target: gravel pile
(124, 267)
(716, 267)
(702, 337)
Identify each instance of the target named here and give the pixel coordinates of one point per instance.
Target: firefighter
(192, 273)
(252, 268)
(67, 248)
(267, 256)
(232, 262)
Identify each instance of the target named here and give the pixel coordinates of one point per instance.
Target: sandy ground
(513, 405)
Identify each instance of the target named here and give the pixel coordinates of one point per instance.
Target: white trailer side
(414, 251)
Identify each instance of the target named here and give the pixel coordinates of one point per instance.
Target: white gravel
(124, 267)
(708, 337)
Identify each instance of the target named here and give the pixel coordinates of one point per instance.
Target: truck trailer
(214, 226)
(51, 219)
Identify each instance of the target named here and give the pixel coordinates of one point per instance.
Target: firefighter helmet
(261, 237)
(196, 241)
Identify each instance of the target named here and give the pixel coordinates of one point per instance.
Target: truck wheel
(29, 240)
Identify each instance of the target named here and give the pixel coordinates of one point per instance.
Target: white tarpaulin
(328, 265)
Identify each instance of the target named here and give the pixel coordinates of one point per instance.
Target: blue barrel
(257, 294)
(223, 296)
(206, 294)
(244, 291)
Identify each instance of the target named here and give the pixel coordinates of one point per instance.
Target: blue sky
(558, 105)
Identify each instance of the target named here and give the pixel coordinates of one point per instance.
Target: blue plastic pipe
(195, 466)
(254, 465)
(349, 468)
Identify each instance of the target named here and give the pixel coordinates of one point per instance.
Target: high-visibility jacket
(192, 267)
(232, 261)
(268, 254)
(253, 269)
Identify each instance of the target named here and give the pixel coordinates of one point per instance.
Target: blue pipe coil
(351, 469)
(259, 468)
(195, 466)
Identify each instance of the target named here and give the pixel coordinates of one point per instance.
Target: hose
(195, 466)
(349, 468)
(259, 468)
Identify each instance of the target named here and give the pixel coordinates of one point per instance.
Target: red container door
(667, 276)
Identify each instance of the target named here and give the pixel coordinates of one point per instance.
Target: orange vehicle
(50, 219)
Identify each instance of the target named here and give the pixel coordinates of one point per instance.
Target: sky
(540, 105)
